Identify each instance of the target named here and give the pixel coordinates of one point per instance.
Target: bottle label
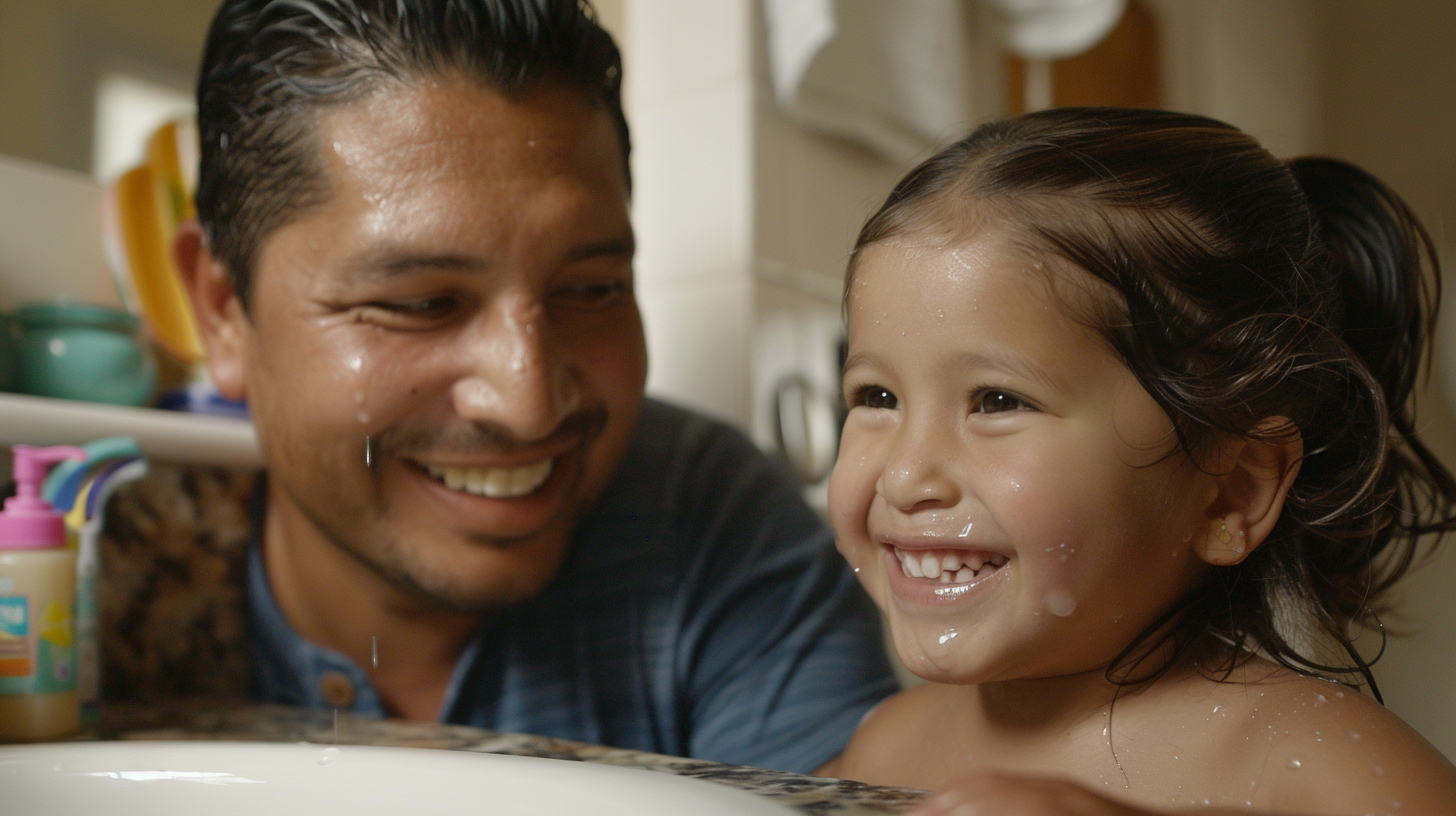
(37, 651)
(15, 637)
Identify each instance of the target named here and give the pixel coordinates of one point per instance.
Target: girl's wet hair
(1246, 289)
(270, 67)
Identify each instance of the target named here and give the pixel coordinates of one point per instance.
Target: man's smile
(494, 482)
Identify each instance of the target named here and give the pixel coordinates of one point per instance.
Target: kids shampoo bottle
(37, 607)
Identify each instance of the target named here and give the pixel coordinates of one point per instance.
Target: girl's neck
(1043, 704)
(1062, 703)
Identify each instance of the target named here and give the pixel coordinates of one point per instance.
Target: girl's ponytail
(1384, 264)
(1381, 257)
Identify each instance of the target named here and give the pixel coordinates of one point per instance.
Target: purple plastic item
(28, 522)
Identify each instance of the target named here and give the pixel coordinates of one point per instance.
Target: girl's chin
(947, 669)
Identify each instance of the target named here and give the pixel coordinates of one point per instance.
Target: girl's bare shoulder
(1315, 746)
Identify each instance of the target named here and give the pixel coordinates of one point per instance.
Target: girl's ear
(219, 312)
(1251, 492)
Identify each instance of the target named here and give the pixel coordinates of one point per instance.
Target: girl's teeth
(930, 566)
(956, 566)
(911, 566)
(495, 483)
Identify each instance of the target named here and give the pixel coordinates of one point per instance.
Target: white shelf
(164, 436)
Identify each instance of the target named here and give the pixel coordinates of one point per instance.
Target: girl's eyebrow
(1009, 361)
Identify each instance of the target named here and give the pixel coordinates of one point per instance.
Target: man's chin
(474, 588)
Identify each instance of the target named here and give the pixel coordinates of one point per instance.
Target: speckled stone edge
(210, 720)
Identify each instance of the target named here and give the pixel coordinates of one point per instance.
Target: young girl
(1129, 457)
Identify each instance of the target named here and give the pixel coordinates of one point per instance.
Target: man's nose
(516, 380)
(916, 475)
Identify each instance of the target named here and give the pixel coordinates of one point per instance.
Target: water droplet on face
(374, 651)
(1016, 485)
(948, 636)
(1295, 764)
(1216, 708)
(368, 452)
(329, 755)
(1060, 602)
(856, 570)
(356, 363)
(966, 531)
(1354, 737)
(1320, 697)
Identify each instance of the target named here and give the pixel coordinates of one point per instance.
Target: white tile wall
(689, 99)
(697, 344)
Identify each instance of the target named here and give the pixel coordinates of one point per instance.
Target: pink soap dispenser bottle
(37, 608)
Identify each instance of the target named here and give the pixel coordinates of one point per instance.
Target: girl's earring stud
(1222, 533)
(1225, 537)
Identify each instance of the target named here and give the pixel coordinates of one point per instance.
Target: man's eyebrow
(388, 262)
(598, 249)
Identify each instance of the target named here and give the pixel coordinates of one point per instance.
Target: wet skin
(989, 425)
(455, 319)
(1000, 428)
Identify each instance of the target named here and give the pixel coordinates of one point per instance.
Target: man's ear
(221, 320)
(1251, 491)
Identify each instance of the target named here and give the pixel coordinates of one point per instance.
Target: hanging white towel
(890, 76)
(1055, 29)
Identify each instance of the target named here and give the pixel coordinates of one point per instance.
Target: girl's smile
(1002, 473)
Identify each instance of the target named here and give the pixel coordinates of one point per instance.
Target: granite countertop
(183, 720)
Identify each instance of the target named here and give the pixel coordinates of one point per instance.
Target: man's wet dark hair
(1238, 288)
(271, 67)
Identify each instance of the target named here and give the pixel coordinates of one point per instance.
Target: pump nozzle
(28, 521)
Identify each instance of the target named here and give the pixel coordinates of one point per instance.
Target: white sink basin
(222, 778)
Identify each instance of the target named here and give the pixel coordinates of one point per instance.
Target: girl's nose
(516, 379)
(915, 476)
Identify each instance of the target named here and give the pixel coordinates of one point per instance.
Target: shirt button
(337, 689)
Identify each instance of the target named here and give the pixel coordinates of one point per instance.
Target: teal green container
(9, 354)
(83, 352)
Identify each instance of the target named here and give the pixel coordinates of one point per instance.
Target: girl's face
(1008, 493)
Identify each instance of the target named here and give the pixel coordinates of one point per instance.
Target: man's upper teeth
(495, 483)
(946, 566)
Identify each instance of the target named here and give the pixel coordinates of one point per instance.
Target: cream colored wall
(1254, 63)
(1389, 105)
(50, 52)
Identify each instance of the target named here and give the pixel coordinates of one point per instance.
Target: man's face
(445, 360)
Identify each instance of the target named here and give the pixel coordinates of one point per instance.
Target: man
(414, 260)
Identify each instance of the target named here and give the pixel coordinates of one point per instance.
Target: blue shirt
(701, 612)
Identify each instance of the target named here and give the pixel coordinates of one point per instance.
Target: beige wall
(1389, 105)
(51, 52)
